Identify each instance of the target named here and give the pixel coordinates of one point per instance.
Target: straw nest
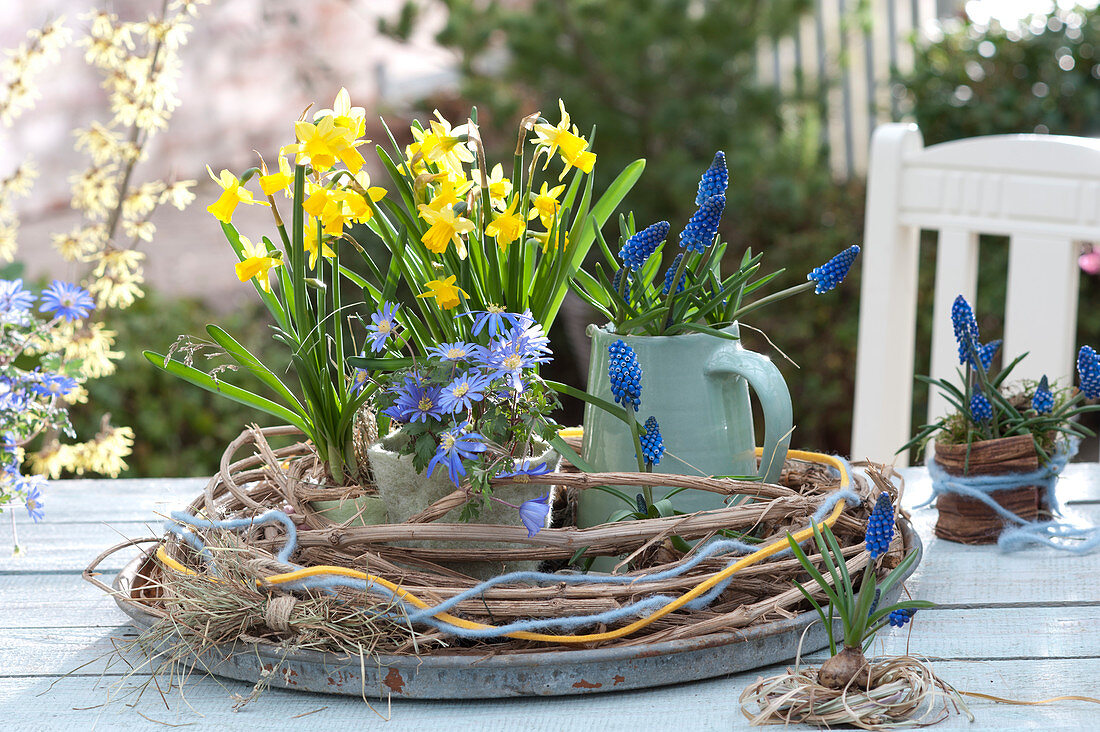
(237, 603)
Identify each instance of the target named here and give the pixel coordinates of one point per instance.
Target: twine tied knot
(277, 612)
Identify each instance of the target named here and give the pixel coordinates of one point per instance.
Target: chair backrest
(1042, 191)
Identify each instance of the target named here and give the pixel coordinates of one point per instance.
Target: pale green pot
(361, 511)
(697, 386)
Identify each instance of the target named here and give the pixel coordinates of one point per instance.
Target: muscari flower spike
(714, 180)
(980, 408)
(653, 447)
(1043, 401)
(672, 273)
(899, 618)
(625, 373)
(617, 282)
(639, 247)
(880, 527)
(1088, 369)
(833, 272)
(966, 328)
(702, 227)
(987, 352)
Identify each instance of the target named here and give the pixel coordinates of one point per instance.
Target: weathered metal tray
(551, 673)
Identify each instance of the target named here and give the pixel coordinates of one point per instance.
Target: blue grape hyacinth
(1043, 401)
(653, 447)
(625, 373)
(702, 227)
(966, 328)
(880, 526)
(898, 618)
(639, 247)
(1088, 368)
(980, 408)
(833, 272)
(715, 179)
(671, 272)
(987, 352)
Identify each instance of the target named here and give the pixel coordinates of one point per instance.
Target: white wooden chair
(1042, 191)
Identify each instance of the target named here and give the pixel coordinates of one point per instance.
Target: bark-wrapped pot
(970, 521)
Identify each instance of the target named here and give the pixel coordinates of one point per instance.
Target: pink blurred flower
(1089, 262)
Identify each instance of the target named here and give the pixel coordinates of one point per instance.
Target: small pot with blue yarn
(969, 521)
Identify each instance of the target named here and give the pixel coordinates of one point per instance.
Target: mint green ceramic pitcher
(697, 386)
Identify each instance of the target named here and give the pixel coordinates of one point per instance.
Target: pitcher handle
(775, 400)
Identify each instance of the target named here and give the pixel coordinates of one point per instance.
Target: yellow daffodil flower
(560, 240)
(309, 243)
(499, 186)
(452, 191)
(358, 208)
(445, 292)
(272, 183)
(545, 205)
(257, 263)
(446, 226)
(507, 226)
(443, 145)
(322, 143)
(566, 141)
(344, 115)
(232, 194)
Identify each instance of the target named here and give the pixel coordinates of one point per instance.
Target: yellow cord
(702, 587)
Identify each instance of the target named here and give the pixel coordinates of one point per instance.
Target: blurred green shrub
(179, 430)
(978, 80)
(975, 80)
(673, 81)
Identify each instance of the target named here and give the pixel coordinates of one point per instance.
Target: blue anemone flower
(463, 391)
(625, 374)
(456, 445)
(1043, 400)
(14, 298)
(880, 526)
(457, 351)
(494, 320)
(416, 402)
(54, 385)
(702, 227)
(639, 247)
(715, 179)
(33, 503)
(533, 513)
(383, 325)
(523, 469)
(833, 272)
(66, 301)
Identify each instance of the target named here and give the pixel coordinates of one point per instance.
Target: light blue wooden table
(1022, 625)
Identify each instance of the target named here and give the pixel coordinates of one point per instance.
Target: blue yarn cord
(1054, 534)
(426, 616)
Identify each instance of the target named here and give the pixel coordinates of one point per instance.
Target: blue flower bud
(714, 180)
(833, 272)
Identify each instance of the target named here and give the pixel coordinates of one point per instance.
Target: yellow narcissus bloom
(256, 264)
(272, 183)
(344, 115)
(445, 292)
(323, 143)
(545, 205)
(443, 145)
(566, 141)
(446, 226)
(559, 241)
(453, 187)
(232, 194)
(309, 242)
(507, 226)
(499, 186)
